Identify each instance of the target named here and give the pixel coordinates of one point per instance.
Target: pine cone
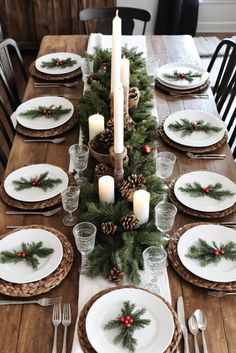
(134, 95)
(133, 183)
(129, 125)
(101, 169)
(107, 138)
(110, 124)
(130, 222)
(115, 275)
(108, 228)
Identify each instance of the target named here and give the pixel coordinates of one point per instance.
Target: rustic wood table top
(28, 328)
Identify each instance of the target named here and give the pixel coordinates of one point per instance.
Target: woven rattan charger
(181, 207)
(41, 205)
(45, 284)
(84, 342)
(186, 274)
(54, 78)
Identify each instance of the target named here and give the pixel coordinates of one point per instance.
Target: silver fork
(66, 321)
(42, 302)
(54, 140)
(56, 320)
(43, 213)
(219, 294)
(56, 84)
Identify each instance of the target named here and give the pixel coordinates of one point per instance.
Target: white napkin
(88, 287)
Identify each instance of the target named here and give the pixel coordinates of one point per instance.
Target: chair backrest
(6, 130)
(224, 88)
(105, 15)
(8, 50)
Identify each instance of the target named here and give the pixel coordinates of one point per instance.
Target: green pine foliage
(63, 63)
(176, 76)
(51, 112)
(213, 191)
(187, 127)
(42, 182)
(123, 249)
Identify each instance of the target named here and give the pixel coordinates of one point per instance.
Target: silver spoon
(55, 140)
(202, 324)
(205, 155)
(56, 84)
(193, 328)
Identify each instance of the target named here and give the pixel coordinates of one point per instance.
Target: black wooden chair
(9, 53)
(7, 133)
(224, 89)
(105, 15)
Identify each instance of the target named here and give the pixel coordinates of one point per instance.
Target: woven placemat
(183, 148)
(45, 284)
(84, 342)
(34, 205)
(186, 274)
(181, 92)
(49, 132)
(192, 212)
(63, 77)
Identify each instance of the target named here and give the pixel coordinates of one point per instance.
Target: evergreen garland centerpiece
(42, 182)
(211, 253)
(128, 321)
(52, 112)
(120, 240)
(187, 127)
(28, 253)
(56, 62)
(195, 189)
(188, 76)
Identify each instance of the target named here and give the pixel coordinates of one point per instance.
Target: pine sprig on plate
(56, 62)
(176, 76)
(188, 127)
(128, 321)
(52, 112)
(28, 253)
(207, 253)
(41, 182)
(195, 189)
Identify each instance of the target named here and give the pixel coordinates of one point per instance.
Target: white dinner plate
(43, 122)
(35, 194)
(205, 203)
(57, 70)
(155, 337)
(22, 273)
(183, 68)
(225, 270)
(197, 138)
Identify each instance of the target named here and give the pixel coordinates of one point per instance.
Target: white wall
(214, 15)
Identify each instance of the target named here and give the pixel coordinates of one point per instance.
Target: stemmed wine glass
(164, 165)
(165, 213)
(154, 259)
(70, 201)
(84, 234)
(79, 154)
(152, 65)
(87, 70)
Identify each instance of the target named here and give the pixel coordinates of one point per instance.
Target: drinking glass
(152, 65)
(70, 201)
(84, 234)
(79, 155)
(87, 70)
(154, 259)
(164, 165)
(165, 215)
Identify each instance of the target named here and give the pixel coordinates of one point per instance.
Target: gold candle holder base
(118, 160)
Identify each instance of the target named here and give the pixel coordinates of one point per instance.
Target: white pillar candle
(119, 119)
(125, 72)
(106, 189)
(141, 201)
(116, 52)
(96, 125)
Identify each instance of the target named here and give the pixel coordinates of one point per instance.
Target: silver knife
(181, 316)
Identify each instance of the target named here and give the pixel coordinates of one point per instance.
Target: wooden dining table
(28, 328)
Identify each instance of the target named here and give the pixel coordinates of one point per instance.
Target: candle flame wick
(117, 12)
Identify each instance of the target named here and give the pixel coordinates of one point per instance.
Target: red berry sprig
(58, 62)
(194, 126)
(181, 75)
(127, 320)
(35, 182)
(46, 112)
(21, 254)
(219, 252)
(206, 189)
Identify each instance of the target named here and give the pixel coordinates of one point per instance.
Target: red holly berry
(35, 182)
(58, 62)
(44, 112)
(194, 126)
(90, 79)
(23, 254)
(19, 254)
(216, 252)
(127, 317)
(49, 112)
(128, 325)
(206, 190)
(222, 252)
(122, 319)
(103, 66)
(181, 75)
(131, 320)
(145, 149)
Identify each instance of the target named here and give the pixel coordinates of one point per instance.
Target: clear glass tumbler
(84, 234)
(164, 165)
(87, 69)
(154, 260)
